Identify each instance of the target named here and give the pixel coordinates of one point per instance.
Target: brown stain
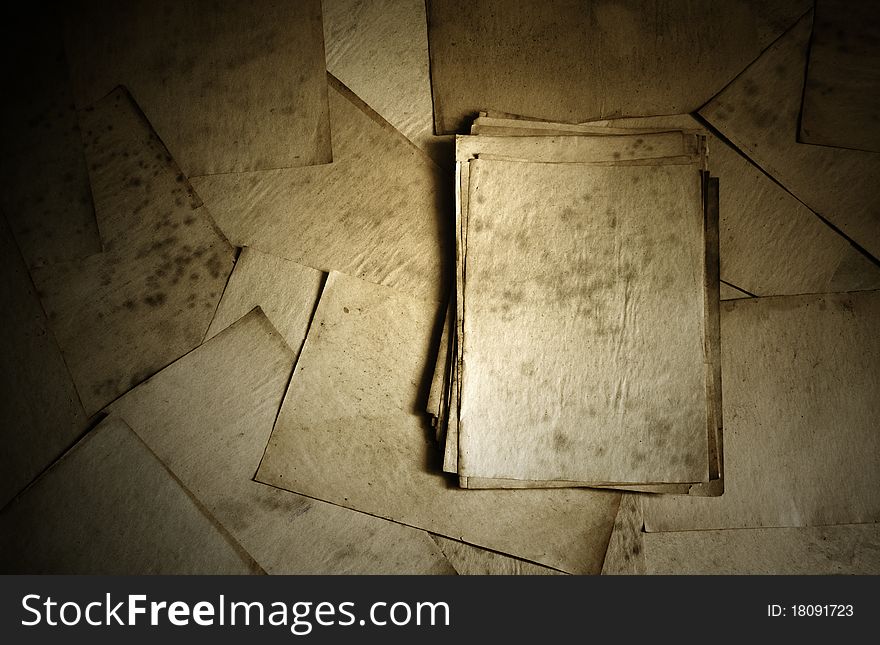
(763, 117)
(156, 299)
(512, 295)
(562, 442)
(215, 265)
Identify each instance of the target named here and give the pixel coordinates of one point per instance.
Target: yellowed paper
(626, 550)
(557, 410)
(228, 88)
(379, 211)
(801, 403)
(758, 113)
(122, 315)
(571, 61)
(208, 417)
(638, 147)
(355, 401)
(852, 549)
(644, 146)
(841, 105)
(287, 293)
(379, 49)
(41, 415)
(109, 507)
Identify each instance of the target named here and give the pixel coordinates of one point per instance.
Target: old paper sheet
(121, 315)
(46, 195)
(208, 417)
(801, 403)
(232, 87)
(379, 211)
(543, 149)
(626, 554)
(527, 268)
(356, 400)
(852, 549)
(287, 293)
(109, 507)
(770, 243)
(841, 105)
(40, 415)
(379, 49)
(570, 61)
(470, 560)
(758, 113)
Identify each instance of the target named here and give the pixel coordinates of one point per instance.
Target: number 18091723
(777, 611)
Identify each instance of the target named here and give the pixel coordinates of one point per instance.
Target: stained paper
(121, 315)
(584, 307)
(758, 113)
(841, 105)
(626, 554)
(231, 87)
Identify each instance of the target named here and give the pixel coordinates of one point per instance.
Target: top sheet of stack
(586, 327)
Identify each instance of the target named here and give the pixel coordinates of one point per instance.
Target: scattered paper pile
(233, 282)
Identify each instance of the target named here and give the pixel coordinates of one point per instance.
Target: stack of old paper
(582, 348)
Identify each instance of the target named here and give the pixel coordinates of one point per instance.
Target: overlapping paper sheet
(572, 61)
(801, 404)
(769, 242)
(351, 431)
(530, 283)
(208, 417)
(45, 196)
(379, 50)
(841, 105)
(380, 211)
(121, 315)
(228, 90)
(287, 293)
(110, 507)
(813, 550)
(625, 554)
(852, 549)
(40, 413)
(759, 111)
